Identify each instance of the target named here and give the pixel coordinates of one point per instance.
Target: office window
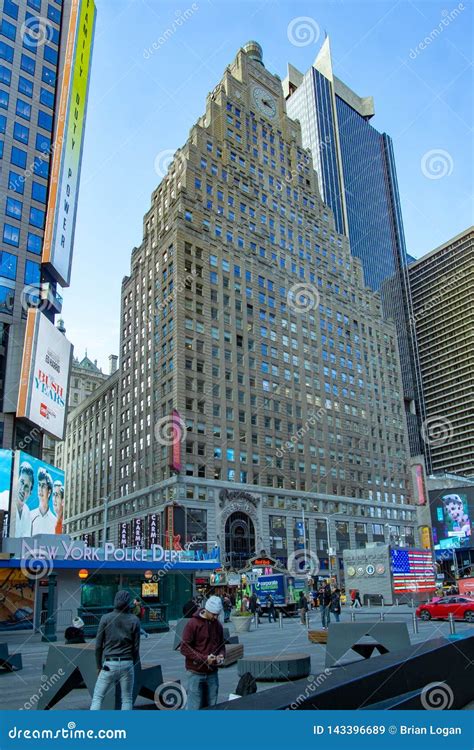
(38, 192)
(11, 235)
(54, 14)
(2, 145)
(37, 217)
(36, 4)
(8, 263)
(4, 99)
(8, 29)
(3, 123)
(50, 55)
(13, 208)
(48, 76)
(32, 273)
(43, 143)
(18, 157)
(28, 64)
(21, 133)
(10, 9)
(23, 109)
(34, 244)
(41, 168)
(16, 182)
(6, 52)
(25, 86)
(47, 98)
(7, 299)
(45, 121)
(5, 75)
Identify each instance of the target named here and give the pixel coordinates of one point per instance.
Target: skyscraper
(257, 376)
(45, 54)
(357, 179)
(442, 284)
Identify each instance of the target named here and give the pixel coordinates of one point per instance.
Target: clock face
(264, 102)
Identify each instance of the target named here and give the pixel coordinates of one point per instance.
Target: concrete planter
(242, 624)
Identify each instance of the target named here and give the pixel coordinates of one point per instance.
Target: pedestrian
(202, 645)
(75, 632)
(271, 608)
(117, 650)
(253, 605)
(335, 607)
(227, 606)
(357, 601)
(303, 607)
(139, 611)
(326, 607)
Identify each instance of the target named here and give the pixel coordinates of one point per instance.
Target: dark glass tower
(358, 180)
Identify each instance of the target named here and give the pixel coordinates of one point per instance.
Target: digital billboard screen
(37, 504)
(452, 517)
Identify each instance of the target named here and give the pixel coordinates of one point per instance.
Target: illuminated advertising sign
(177, 433)
(6, 462)
(42, 396)
(37, 505)
(452, 511)
(69, 137)
(419, 484)
(153, 529)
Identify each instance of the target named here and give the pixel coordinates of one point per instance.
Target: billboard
(6, 463)
(37, 504)
(69, 138)
(452, 517)
(42, 395)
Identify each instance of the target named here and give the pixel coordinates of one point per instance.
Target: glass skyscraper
(357, 179)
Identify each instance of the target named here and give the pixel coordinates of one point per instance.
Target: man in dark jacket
(326, 607)
(202, 645)
(117, 650)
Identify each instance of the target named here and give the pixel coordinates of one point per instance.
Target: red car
(461, 607)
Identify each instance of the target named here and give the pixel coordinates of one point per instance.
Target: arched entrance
(239, 539)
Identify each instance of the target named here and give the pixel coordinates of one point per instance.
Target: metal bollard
(397, 602)
(353, 617)
(452, 626)
(280, 619)
(256, 620)
(368, 602)
(307, 620)
(415, 623)
(383, 604)
(382, 617)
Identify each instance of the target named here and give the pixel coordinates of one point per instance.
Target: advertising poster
(6, 461)
(37, 505)
(42, 396)
(16, 600)
(451, 517)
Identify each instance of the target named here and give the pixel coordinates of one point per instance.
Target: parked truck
(283, 590)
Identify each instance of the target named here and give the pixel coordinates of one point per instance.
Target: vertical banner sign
(425, 537)
(169, 527)
(153, 529)
(68, 142)
(123, 534)
(137, 532)
(176, 438)
(419, 483)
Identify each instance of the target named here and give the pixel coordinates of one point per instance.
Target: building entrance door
(239, 540)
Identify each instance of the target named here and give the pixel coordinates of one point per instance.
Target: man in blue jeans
(117, 649)
(202, 645)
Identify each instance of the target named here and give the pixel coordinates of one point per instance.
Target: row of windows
(8, 268)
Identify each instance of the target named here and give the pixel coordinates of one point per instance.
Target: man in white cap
(202, 645)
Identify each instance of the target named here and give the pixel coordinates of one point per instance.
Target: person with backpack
(271, 608)
(326, 607)
(335, 606)
(117, 650)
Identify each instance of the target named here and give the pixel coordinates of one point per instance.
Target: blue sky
(143, 102)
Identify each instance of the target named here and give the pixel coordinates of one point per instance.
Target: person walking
(117, 650)
(253, 605)
(326, 607)
(202, 645)
(335, 607)
(227, 605)
(271, 608)
(303, 607)
(356, 601)
(139, 611)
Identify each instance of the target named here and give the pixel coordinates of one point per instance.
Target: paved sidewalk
(17, 688)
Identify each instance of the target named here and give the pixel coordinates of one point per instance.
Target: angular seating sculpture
(386, 637)
(278, 667)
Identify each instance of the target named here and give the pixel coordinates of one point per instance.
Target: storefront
(66, 578)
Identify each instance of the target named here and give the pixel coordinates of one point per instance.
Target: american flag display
(413, 571)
